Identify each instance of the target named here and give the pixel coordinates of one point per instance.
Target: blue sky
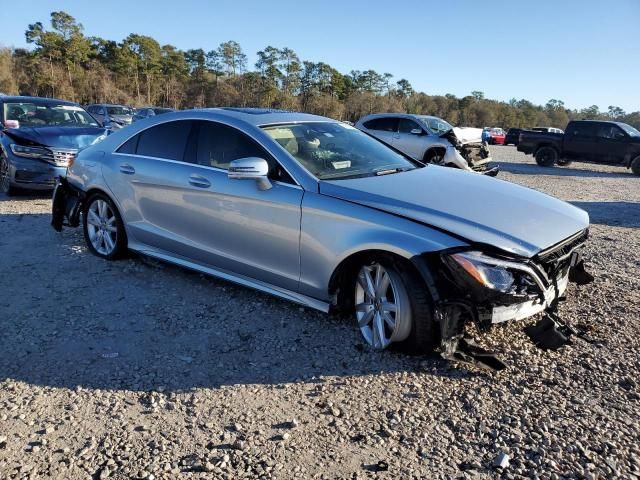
(582, 52)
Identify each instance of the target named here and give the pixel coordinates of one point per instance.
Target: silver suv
(430, 140)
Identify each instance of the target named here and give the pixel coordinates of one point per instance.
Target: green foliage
(139, 71)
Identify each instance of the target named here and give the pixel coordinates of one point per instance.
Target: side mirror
(250, 168)
(416, 131)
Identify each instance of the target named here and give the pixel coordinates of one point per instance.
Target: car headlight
(485, 270)
(29, 152)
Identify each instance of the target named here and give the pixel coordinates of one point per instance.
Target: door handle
(127, 169)
(199, 181)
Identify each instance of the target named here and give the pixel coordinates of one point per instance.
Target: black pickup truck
(595, 141)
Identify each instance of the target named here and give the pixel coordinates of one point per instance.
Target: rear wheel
(546, 156)
(103, 228)
(392, 306)
(5, 177)
(635, 165)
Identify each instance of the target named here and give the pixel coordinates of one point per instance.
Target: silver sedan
(317, 212)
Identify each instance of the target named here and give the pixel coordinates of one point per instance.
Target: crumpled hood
(468, 134)
(475, 207)
(61, 137)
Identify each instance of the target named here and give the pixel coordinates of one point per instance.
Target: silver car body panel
(288, 240)
(486, 213)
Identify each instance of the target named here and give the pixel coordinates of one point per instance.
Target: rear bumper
(66, 205)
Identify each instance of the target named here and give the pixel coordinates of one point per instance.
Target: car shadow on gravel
(27, 195)
(70, 319)
(533, 169)
(613, 214)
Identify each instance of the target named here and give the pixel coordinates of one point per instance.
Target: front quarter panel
(334, 229)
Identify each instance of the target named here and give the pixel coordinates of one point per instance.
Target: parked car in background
(317, 212)
(547, 129)
(39, 138)
(146, 112)
(112, 117)
(512, 136)
(430, 140)
(596, 141)
(493, 135)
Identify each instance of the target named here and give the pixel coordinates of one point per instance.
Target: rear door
(580, 141)
(411, 144)
(383, 128)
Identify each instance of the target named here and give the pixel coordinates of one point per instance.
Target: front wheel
(5, 177)
(103, 228)
(546, 156)
(392, 306)
(635, 165)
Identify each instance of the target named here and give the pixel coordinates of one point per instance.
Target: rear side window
(586, 129)
(167, 140)
(129, 146)
(385, 124)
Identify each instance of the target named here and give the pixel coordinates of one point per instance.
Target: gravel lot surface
(137, 369)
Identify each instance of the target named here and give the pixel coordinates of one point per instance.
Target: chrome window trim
(192, 119)
(215, 169)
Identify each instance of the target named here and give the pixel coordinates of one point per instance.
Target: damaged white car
(431, 140)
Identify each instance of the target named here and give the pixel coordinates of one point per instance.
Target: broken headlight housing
(487, 271)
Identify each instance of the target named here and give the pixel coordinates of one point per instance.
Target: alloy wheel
(102, 227)
(382, 306)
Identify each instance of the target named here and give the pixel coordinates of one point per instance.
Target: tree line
(66, 63)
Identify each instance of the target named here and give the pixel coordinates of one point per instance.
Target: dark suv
(38, 139)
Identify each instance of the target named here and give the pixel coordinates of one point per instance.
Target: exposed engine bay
(467, 151)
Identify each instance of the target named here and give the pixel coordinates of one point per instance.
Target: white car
(430, 140)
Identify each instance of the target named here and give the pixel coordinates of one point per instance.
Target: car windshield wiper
(389, 171)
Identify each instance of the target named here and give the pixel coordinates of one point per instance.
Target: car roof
(265, 116)
(43, 100)
(397, 114)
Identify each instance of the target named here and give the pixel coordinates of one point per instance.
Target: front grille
(555, 259)
(61, 157)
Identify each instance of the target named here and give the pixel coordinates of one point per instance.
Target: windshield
(119, 110)
(333, 151)
(630, 130)
(436, 125)
(43, 115)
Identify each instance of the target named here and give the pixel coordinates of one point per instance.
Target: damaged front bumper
(471, 287)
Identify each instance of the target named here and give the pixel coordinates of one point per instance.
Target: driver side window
(407, 125)
(218, 145)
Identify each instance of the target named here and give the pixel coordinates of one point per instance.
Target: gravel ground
(137, 369)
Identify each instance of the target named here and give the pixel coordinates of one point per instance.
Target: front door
(411, 144)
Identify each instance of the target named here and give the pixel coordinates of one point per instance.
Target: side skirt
(239, 279)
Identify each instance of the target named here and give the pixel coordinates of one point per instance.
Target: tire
(564, 162)
(434, 156)
(546, 156)
(103, 228)
(5, 178)
(635, 165)
(414, 330)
